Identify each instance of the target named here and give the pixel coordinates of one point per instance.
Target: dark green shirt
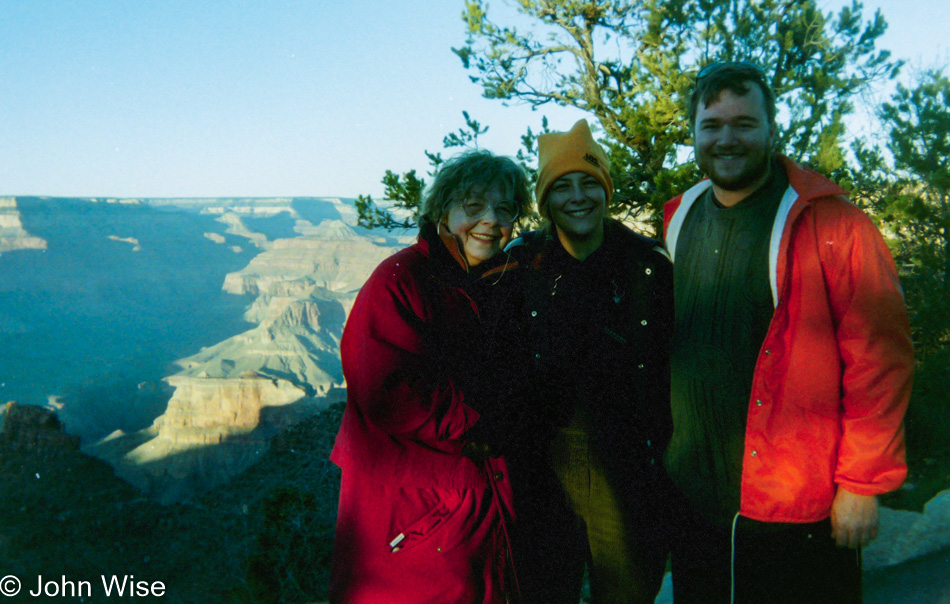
(724, 306)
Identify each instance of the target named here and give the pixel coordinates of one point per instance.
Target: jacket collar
(805, 185)
(448, 260)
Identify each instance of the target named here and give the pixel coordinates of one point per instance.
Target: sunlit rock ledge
(12, 234)
(207, 411)
(213, 429)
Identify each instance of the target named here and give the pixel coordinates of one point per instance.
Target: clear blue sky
(172, 98)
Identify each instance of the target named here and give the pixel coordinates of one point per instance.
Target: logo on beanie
(592, 160)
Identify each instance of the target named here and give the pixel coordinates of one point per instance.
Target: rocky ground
(264, 537)
(923, 580)
(113, 312)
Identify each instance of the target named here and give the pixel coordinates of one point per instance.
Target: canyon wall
(176, 336)
(12, 234)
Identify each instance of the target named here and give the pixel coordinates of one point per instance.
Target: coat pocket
(419, 531)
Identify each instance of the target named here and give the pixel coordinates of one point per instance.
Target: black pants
(774, 563)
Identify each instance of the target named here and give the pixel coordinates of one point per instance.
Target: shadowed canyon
(176, 336)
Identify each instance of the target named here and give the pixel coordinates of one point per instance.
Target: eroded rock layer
(230, 397)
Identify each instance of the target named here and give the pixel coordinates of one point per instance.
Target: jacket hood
(808, 183)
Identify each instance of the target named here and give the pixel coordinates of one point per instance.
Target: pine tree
(632, 63)
(906, 185)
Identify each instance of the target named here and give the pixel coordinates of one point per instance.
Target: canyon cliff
(12, 234)
(194, 329)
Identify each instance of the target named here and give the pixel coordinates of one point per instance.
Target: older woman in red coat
(422, 516)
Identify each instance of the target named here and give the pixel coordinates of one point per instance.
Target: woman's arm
(390, 362)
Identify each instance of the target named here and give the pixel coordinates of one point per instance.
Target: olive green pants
(619, 519)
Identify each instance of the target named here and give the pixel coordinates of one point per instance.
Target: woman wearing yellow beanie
(597, 318)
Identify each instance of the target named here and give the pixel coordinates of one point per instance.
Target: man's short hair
(737, 76)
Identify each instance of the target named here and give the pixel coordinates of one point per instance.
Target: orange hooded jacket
(834, 373)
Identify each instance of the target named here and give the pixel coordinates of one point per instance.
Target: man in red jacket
(791, 364)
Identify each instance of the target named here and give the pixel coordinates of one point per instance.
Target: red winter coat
(418, 521)
(833, 376)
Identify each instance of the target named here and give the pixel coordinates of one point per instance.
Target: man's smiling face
(733, 140)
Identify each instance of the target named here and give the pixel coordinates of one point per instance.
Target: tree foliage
(905, 183)
(404, 192)
(631, 65)
(913, 200)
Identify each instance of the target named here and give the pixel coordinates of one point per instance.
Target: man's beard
(752, 174)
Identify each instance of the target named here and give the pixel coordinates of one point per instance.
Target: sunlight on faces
(577, 204)
(733, 143)
(482, 223)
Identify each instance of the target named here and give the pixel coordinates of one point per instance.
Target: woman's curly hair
(472, 173)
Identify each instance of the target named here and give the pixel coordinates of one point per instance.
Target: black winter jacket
(597, 334)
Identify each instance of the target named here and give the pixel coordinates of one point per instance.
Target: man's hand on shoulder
(854, 519)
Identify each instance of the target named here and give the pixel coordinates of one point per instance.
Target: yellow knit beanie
(561, 153)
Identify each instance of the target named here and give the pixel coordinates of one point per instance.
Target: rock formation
(12, 234)
(34, 428)
(331, 255)
(230, 397)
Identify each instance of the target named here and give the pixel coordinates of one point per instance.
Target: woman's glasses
(505, 211)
